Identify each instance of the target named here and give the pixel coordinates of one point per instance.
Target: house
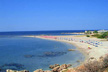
(88, 32)
(100, 31)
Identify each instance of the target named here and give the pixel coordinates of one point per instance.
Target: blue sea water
(62, 32)
(21, 53)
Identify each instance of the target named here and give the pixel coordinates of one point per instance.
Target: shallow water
(21, 53)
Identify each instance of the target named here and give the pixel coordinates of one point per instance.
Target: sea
(26, 53)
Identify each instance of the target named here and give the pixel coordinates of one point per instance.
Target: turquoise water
(21, 53)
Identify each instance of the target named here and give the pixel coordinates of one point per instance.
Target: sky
(42, 15)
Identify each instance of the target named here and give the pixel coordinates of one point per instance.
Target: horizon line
(53, 30)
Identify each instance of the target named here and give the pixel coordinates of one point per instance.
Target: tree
(88, 32)
(95, 31)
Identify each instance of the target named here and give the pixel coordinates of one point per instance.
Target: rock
(28, 56)
(78, 60)
(63, 70)
(51, 66)
(39, 70)
(68, 65)
(23, 71)
(91, 59)
(47, 71)
(101, 59)
(14, 65)
(8, 70)
(71, 70)
(49, 53)
(57, 65)
(60, 69)
(71, 49)
(63, 66)
(53, 54)
(56, 69)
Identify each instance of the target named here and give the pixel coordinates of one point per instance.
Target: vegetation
(94, 65)
(97, 35)
(102, 35)
(88, 35)
(95, 31)
(88, 32)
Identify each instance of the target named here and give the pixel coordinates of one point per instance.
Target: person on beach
(89, 47)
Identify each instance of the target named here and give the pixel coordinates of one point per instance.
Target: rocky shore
(96, 57)
(9, 70)
(54, 68)
(91, 65)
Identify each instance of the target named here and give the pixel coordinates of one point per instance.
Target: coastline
(77, 47)
(96, 52)
(72, 43)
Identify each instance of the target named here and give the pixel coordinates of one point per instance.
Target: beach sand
(91, 52)
(95, 52)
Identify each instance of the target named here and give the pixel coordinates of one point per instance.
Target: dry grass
(93, 65)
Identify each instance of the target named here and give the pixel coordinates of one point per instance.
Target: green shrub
(103, 35)
(88, 32)
(97, 35)
(88, 35)
(95, 31)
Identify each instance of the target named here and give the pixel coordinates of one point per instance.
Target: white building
(100, 31)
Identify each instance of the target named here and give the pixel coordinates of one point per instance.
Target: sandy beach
(90, 47)
(94, 51)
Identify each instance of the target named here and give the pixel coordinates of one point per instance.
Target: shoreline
(77, 47)
(93, 49)
(74, 44)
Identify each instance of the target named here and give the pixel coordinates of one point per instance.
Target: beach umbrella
(89, 47)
